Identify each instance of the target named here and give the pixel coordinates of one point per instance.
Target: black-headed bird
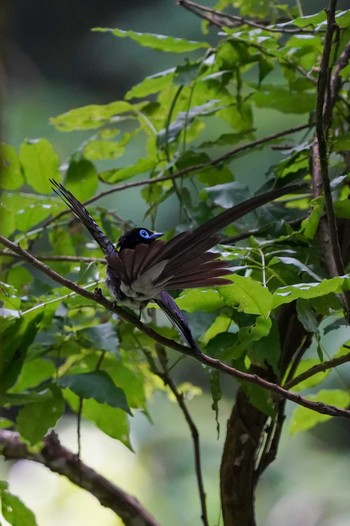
(141, 268)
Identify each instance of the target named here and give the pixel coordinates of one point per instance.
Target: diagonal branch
(319, 368)
(221, 19)
(97, 297)
(188, 169)
(60, 460)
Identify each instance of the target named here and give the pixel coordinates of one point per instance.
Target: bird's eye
(143, 233)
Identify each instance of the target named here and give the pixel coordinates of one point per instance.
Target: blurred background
(51, 62)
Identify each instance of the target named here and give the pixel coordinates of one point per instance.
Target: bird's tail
(168, 305)
(80, 211)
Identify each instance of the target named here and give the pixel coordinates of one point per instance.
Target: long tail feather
(80, 211)
(168, 305)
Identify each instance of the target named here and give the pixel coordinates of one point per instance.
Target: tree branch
(319, 368)
(60, 460)
(97, 297)
(220, 19)
(189, 169)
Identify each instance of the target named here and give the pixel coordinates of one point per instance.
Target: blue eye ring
(143, 233)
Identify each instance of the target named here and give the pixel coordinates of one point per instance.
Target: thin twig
(189, 169)
(319, 368)
(97, 297)
(72, 259)
(194, 431)
(336, 80)
(220, 19)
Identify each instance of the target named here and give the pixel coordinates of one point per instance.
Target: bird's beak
(156, 235)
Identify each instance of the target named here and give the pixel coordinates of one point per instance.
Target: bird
(142, 268)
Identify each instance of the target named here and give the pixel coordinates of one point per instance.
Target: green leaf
(121, 174)
(259, 398)
(283, 100)
(27, 210)
(221, 323)
(228, 194)
(152, 84)
(309, 225)
(102, 337)
(307, 316)
(223, 345)
(247, 295)
(183, 119)
(131, 379)
(205, 300)
(81, 179)
(10, 168)
(13, 509)
(15, 341)
(313, 380)
(34, 420)
(99, 149)
(229, 345)
(342, 209)
(7, 220)
(295, 263)
(91, 116)
(5, 423)
(160, 42)
(310, 20)
(212, 175)
(114, 422)
(309, 290)
(304, 418)
(33, 373)
(40, 163)
(267, 349)
(97, 385)
(342, 19)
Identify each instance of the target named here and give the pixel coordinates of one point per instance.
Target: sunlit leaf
(313, 380)
(309, 225)
(285, 101)
(121, 174)
(205, 300)
(112, 421)
(247, 295)
(81, 178)
(91, 116)
(160, 42)
(304, 418)
(309, 290)
(13, 510)
(10, 168)
(40, 163)
(152, 84)
(311, 20)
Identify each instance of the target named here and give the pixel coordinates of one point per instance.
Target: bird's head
(134, 237)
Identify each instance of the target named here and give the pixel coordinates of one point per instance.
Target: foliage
(193, 122)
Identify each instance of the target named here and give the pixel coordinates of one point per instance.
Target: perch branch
(97, 297)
